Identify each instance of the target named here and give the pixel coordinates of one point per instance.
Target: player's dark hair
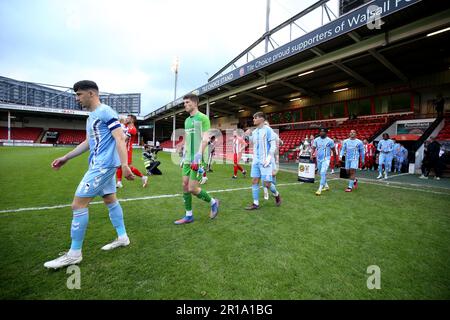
(324, 130)
(259, 114)
(85, 85)
(386, 134)
(133, 118)
(192, 97)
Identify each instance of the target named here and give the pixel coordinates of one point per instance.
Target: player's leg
(116, 217)
(136, 172)
(235, 165)
(400, 164)
(256, 177)
(322, 169)
(267, 177)
(381, 161)
(387, 166)
(187, 196)
(210, 158)
(351, 179)
(195, 189)
(80, 219)
(119, 178)
(332, 164)
(319, 170)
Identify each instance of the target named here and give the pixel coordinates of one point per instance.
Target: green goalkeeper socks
(187, 197)
(203, 195)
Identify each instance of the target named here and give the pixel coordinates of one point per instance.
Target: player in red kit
(369, 155)
(132, 133)
(238, 147)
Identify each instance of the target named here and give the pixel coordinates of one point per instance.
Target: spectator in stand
(439, 105)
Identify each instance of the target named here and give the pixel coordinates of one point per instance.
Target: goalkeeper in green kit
(196, 139)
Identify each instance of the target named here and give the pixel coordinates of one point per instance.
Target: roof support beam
(299, 89)
(382, 59)
(235, 104)
(346, 69)
(377, 41)
(216, 109)
(262, 98)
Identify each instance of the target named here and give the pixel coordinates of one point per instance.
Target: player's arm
(333, 149)
(343, 150)
(204, 144)
(243, 145)
(118, 135)
(273, 147)
(206, 125)
(81, 148)
(361, 152)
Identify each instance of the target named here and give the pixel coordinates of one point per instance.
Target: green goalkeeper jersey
(194, 127)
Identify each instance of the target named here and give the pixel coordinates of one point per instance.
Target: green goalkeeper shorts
(186, 171)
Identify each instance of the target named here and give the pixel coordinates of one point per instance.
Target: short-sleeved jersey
(369, 150)
(323, 148)
(238, 143)
(352, 149)
(194, 127)
(261, 139)
(102, 145)
(386, 146)
(404, 152)
(397, 149)
(212, 146)
(132, 133)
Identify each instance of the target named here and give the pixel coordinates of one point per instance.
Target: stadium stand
(444, 134)
(166, 144)
(69, 136)
(24, 134)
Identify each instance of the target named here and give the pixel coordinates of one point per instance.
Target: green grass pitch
(309, 248)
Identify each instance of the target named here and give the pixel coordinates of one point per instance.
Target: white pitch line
(389, 185)
(397, 175)
(136, 199)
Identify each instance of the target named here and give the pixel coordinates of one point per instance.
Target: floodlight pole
(267, 26)
(175, 69)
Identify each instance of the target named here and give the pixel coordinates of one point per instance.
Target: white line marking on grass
(389, 185)
(397, 175)
(137, 199)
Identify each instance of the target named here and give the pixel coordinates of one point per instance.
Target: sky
(130, 46)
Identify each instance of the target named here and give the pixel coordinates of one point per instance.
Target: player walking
(196, 139)
(106, 142)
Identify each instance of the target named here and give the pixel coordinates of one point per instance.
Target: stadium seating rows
(69, 136)
(30, 134)
(444, 134)
(366, 127)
